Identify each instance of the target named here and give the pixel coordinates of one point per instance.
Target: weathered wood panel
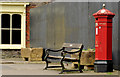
(59, 23)
(38, 29)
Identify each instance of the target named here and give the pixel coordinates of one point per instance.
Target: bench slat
(59, 57)
(72, 45)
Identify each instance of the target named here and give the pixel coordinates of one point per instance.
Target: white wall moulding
(13, 7)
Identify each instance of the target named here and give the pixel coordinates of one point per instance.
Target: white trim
(23, 31)
(23, 24)
(0, 29)
(10, 46)
(7, 11)
(10, 28)
(11, 12)
(24, 28)
(13, 3)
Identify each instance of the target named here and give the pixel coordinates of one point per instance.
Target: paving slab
(37, 69)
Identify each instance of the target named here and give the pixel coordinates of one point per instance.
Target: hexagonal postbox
(103, 40)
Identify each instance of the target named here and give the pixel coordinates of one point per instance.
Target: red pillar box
(103, 40)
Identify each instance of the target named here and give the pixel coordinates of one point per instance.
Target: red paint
(28, 25)
(103, 35)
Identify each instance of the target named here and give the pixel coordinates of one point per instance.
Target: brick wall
(28, 24)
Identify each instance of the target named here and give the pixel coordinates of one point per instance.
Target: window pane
(5, 36)
(5, 21)
(16, 36)
(16, 21)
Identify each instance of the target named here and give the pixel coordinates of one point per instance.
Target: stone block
(36, 54)
(25, 53)
(32, 54)
(87, 57)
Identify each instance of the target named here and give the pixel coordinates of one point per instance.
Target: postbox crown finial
(103, 5)
(104, 12)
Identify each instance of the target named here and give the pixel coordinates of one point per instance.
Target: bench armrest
(50, 50)
(54, 50)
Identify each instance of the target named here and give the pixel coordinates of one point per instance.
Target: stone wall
(11, 54)
(87, 57)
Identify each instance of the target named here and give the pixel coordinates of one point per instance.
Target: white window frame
(23, 24)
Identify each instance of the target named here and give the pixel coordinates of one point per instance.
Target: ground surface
(37, 69)
(16, 66)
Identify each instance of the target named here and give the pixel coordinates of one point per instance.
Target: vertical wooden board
(83, 25)
(50, 26)
(76, 23)
(113, 7)
(59, 25)
(71, 22)
(38, 27)
(119, 35)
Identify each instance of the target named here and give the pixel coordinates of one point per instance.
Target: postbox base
(103, 66)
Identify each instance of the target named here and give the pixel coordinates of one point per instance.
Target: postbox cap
(103, 12)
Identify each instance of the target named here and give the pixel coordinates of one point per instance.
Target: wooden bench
(66, 49)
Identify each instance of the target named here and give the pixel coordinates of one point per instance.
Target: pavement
(20, 67)
(18, 61)
(37, 69)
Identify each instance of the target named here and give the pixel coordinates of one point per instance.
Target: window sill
(5, 46)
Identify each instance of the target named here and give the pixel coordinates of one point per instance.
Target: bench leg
(80, 69)
(46, 65)
(62, 67)
(61, 72)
